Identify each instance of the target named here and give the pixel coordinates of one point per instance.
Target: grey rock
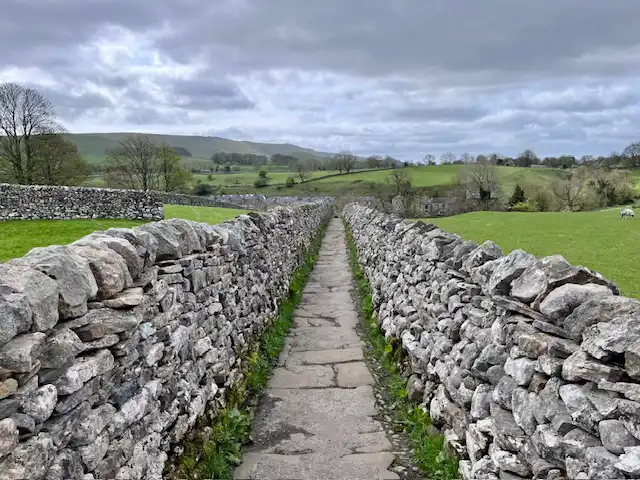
(107, 321)
(21, 353)
(109, 269)
(507, 270)
(615, 437)
(565, 299)
(8, 387)
(92, 454)
(629, 462)
(62, 345)
(503, 392)
(40, 292)
(66, 466)
(580, 366)
(507, 434)
(520, 369)
(40, 404)
(523, 405)
(92, 425)
(486, 252)
(128, 299)
(480, 403)
(632, 360)
(16, 315)
(8, 437)
(602, 464)
(629, 390)
(167, 239)
(70, 271)
(30, 459)
(84, 370)
(597, 310)
(602, 339)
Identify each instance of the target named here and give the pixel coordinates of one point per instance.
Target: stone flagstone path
(315, 421)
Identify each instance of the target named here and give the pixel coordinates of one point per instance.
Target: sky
(399, 77)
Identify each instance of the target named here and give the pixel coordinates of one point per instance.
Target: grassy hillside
(599, 240)
(93, 145)
(361, 183)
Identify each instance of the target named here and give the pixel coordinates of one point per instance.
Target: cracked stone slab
(304, 376)
(322, 357)
(353, 374)
(323, 338)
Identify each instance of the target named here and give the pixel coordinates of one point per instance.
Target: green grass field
(598, 240)
(17, 237)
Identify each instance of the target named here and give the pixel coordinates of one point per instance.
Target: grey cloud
(70, 105)
(207, 93)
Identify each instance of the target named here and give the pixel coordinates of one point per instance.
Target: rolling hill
(93, 145)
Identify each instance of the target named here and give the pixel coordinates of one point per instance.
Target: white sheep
(626, 213)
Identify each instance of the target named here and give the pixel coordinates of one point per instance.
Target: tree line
(628, 158)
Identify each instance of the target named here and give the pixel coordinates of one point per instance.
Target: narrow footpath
(315, 422)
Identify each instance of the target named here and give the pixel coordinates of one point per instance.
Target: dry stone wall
(112, 347)
(31, 202)
(531, 366)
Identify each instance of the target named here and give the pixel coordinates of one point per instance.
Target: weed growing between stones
(429, 451)
(216, 448)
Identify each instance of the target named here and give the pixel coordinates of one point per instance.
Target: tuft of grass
(216, 449)
(432, 457)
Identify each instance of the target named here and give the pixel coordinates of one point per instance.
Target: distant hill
(93, 146)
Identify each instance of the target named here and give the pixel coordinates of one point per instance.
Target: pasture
(17, 237)
(599, 240)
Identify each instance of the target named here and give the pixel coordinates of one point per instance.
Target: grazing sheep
(626, 213)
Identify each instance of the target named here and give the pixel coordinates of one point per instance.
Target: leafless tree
(467, 158)
(632, 154)
(173, 176)
(24, 115)
(345, 162)
(134, 164)
(482, 179)
(303, 171)
(447, 158)
(569, 191)
(429, 159)
(400, 181)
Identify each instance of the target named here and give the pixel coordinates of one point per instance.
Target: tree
(344, 162)
(481, 179)
(467, 158)
(631, 155)
(527, 158)
(57, 161)
(429, 159)
(518, 195)
(134, 164)
(569, 191)
(290, 182)
(173, 176)
(25, 115)
(373, 161)
(303, 172)
(447, 158)
(400, 181)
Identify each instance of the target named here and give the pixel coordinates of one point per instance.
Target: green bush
(528, 206)
(203, 189)
(290, 182)
(518, 195)
(260, 182)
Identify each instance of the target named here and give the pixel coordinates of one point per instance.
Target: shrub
(527, 206)
(262, 173)
(209, 177)
(203, 189)
(290, 182)
(260, 182)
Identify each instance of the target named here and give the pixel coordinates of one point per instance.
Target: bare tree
(429, 159)
(400, 181)
(481, 179)
(134, 164)
(447, 158)
(467, 158)
(24, 115)
(570, 190)
(527, 158)
(632, 154)
(345, 161)
(303, 171)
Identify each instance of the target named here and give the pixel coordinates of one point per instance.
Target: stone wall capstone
(113, 346)
(32, 202)
(530, 366)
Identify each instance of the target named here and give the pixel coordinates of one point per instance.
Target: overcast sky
(398, 77)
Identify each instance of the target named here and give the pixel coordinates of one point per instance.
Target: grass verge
(216, 449)
(430, 454)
